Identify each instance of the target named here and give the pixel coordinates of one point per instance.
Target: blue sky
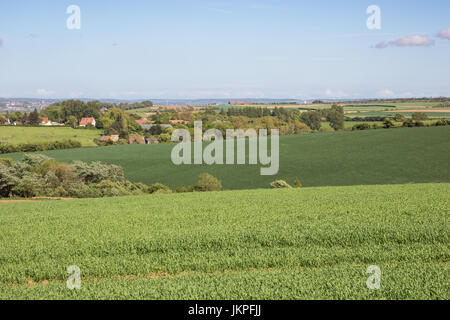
(224, 49)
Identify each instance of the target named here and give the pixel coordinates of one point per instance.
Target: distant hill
(382, 156)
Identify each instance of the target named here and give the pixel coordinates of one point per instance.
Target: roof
(142, 121)
(86, 121)
(178, 121)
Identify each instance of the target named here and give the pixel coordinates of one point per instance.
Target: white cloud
(414, 40)
(44, 92)
(335, 94)
(444, 34)
(386, 93)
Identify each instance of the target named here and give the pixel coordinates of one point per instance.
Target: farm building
(87, 121)
(142, 121)
(113, 138)
(175, 122)
(45, 122)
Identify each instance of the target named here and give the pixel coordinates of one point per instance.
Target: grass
(393, 113)
(256, 244)
(382, 156)
(16, 135)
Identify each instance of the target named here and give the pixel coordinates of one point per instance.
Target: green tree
(419, 116)
(33, 118)
(336, 117)
(312, 119)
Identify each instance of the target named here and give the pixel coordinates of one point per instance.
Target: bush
(279, 184)
(183, 189)
(438, 123)
(156, 187)
(297, 183)
(412, 123)
(7, 161)
(162, 191)
(43, 146)
(207, 182)
(39, 175)
(388, 123)
(419, 116)
(97, 171)
(361, 126)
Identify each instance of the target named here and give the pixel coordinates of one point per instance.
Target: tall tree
(34, 117)
(336, 117)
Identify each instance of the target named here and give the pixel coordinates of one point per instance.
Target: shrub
(39, 175)
(97, 171)
(412, 123)
(7, 161)
(183, 189)
(279, 184)
(157, 187)
(297, 183)
(361, 126)
(7, 180)
(419, 116)
(43, 146)
(441, 122)
(207, 182)
(408, 123)
(399, 117)
(162, 191)
(388, 123)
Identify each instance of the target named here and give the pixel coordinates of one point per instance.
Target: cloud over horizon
(414, 40)
(44, 92)
(444, 34)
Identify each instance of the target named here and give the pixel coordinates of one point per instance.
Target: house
(45, 122)
(103, 110)
(113, 138)
(237, 102)
(87, 121)
(142, 121)
(175, 122)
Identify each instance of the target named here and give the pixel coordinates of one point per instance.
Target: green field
(393, 113)
(382, 156)
(15, 135)
(313, 243)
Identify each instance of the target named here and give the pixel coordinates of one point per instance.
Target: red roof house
(142, 121)
(87, 121)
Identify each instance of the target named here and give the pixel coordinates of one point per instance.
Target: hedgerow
(43, 146)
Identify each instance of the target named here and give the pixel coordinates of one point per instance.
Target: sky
(224, 49)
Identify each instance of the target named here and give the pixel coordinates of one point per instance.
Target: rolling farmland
(16, 135)
(382, 156)
(313, 243)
